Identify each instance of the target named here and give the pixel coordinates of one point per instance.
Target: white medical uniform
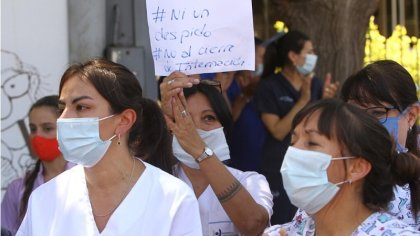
(377, 224)
(214, 219)
(158, 204)
(399, 207)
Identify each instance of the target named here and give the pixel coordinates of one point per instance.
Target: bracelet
(229, 192)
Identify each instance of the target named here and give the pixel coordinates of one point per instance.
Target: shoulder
(168, 183)
(60, 183)
(16, 184)
(246, 176)
(381, 223)
(256, 184)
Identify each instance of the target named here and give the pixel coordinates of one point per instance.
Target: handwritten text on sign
(199, 36)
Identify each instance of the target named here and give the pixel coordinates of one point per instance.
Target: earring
(119, 139)
(350, 181)
(411, 127)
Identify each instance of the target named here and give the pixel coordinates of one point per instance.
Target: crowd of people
(275, 151)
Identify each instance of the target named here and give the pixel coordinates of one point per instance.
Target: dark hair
(30, 176)
(149, 136)
(384, 81)
(361, 135)
(276, 54)
(217, 102)
(159, 141)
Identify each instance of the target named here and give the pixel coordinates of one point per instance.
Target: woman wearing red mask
(43, 139)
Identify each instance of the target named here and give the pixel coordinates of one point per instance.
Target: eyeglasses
(381, 113)
(214, 83)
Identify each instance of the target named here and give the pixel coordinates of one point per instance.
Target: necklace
(123, 196)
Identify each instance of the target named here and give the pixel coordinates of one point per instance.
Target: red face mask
(45, 149)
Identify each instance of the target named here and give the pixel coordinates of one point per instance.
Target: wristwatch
(206, 154)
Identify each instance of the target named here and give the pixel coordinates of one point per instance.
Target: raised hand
(172, 86)
(330, 89)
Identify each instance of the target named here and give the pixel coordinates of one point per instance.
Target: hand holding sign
(194, 36)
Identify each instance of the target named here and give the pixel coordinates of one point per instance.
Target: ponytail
(277, 52)
(406, 170)
(29, 182)
(155, 143)
(412, 141)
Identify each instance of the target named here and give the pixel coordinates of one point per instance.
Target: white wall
(34, 54)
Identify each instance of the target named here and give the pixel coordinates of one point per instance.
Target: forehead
(310, 121)
(77, 87)
(308, 45)
(43, 114)
(198, 101)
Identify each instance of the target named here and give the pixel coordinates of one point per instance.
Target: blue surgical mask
(215, 140)
(79, 141)
(391, 124)
(309, 65)
(305, 179)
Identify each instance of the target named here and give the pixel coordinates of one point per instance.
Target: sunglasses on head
(214, 83)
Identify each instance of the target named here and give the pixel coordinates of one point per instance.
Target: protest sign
(199, 36)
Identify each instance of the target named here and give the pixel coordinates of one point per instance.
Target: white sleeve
(258, 187)
(187, 218)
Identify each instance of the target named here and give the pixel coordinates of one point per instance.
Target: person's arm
(250, 220)
(10, 206)
(330, 89)
(225, 79)
(278, 126)
(238, 105)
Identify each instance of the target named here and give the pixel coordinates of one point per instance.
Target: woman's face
(80, 99)
(202, 113)
(43, 122)
(300, 58)
(306, 136)
(382, 112)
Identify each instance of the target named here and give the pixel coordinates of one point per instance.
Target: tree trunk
(337, 29)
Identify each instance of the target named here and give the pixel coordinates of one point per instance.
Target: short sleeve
(257, 185)
(265, 98)
(10, 206)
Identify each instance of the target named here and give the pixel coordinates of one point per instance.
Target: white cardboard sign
(200, 36)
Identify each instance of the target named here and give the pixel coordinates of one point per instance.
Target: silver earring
(119, 139)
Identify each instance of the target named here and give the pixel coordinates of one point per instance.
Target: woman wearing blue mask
(340, 170)
(108, 128)
(387, 91)
(231, 202)
(279, 96)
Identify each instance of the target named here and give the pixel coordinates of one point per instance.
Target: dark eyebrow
(308, 131)
(75, 100)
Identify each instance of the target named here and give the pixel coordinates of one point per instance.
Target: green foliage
(398, 47)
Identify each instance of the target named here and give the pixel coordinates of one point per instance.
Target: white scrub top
(377, 224)
(399, 207)
(214, 219)
(158, 204)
